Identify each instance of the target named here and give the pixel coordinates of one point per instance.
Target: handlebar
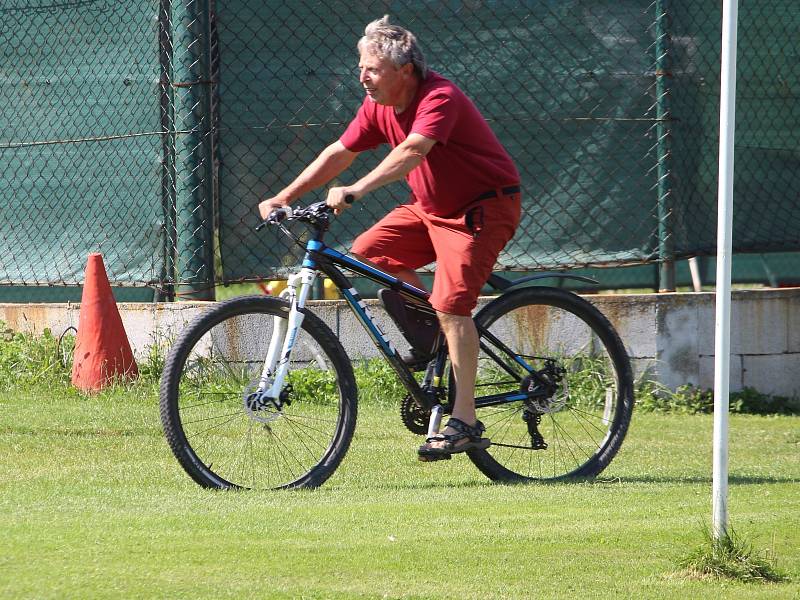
(311, 213)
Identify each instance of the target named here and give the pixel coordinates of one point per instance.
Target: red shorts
(465, 247)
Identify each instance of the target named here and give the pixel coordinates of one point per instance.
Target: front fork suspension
(284, 335)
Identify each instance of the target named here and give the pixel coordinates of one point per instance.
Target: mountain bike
(258, 392)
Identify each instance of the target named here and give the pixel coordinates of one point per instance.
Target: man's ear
(408, 69)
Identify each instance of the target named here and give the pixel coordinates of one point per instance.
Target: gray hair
(395, 43)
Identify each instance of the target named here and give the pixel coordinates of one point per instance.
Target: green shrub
(151, 366)
(652, 396)
(750, 401)
(27, 359)
(31, 360)
(378, 383)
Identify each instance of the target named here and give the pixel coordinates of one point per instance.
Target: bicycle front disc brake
(261, 408)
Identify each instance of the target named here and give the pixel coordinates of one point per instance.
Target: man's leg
(406, 275)
(411, 277)
(462, 342)
(397, 244)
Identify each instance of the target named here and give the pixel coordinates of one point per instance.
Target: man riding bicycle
(464, 205)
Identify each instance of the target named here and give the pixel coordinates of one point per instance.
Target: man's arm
(403, 158)
(331, 162)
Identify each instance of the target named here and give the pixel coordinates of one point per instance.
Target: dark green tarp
(149, 131)
(80, 153)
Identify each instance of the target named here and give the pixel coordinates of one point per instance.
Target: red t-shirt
(467, 160)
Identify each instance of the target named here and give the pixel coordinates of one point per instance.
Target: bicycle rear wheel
(223, 440)
(576, 421)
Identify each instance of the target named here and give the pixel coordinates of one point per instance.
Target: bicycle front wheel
(577, 412)
(221, 437)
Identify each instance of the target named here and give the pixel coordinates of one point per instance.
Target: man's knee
(449, 321)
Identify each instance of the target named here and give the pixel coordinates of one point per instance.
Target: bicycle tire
(584, 422)
(217, 439)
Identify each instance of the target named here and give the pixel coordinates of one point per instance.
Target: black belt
(506, 191)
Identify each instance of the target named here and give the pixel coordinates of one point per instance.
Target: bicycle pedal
(433, 458)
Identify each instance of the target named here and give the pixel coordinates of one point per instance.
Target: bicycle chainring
(414, 417)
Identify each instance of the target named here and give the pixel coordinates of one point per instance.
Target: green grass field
(93, 505)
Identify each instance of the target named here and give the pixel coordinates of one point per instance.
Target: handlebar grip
(349, 198)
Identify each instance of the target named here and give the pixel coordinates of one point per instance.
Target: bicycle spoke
(566, 436)
(309, 418)
(218, 425)
(586, 431)
(592, 415)
(187, 407)
(489, 423)
(291, 419)
(222, 416)
(287, 460)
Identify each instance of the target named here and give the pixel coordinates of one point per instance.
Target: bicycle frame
(321, 258)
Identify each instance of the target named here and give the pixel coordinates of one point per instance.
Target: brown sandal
(472, 433)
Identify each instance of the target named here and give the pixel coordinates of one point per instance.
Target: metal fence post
(167, 120)
(194, 167)
(666, 255)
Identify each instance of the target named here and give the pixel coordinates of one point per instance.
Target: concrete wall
(673, 336)
(669, 337)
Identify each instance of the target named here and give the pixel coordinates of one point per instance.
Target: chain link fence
(149, 131)
(767, 153)
(80, 141)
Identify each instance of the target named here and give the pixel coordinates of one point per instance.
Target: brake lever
(277, 216)
(323, 206)
(281, 214)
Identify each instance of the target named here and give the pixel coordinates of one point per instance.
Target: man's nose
(362, 76)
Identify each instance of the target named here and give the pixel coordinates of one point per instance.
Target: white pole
(722, 345)
(694, 269)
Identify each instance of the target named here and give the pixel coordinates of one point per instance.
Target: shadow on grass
(732, 480)
(447, 483)
(442, 484)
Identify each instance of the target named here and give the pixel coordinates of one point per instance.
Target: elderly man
(464, 205)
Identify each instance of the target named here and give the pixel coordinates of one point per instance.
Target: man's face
(382, 80)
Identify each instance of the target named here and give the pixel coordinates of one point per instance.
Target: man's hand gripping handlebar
(285, 213)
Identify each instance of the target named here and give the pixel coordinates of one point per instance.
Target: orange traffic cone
(102, 350)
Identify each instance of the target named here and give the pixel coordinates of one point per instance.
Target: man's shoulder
(372, 112)
(436, 85)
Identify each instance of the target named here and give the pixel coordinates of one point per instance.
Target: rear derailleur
(532, 419)
(545, 395)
